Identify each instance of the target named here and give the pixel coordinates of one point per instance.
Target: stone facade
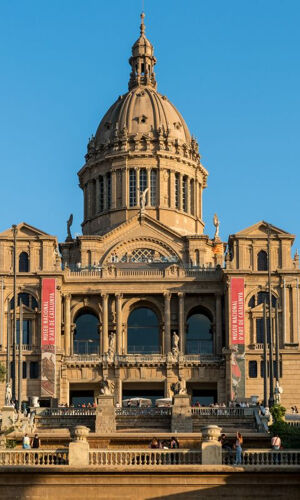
(143, 246)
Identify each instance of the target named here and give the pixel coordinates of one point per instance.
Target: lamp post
(271, 371)
(14, 392)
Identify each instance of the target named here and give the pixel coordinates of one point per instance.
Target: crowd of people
(164, 444)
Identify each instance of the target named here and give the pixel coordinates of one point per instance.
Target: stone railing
(223, 412)
(143, 412)
(67, 412)
(173, 271)
(34, 457)
(108, 458)
(264, 457)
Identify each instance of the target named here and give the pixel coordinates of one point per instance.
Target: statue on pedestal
(179, 387)
(106, 386)
(277, 393)
(175, 343)
(111, 346)
(217, 226)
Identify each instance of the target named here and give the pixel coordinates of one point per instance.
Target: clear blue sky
(231, 67)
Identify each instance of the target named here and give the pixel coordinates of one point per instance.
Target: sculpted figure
(111, 346)
(8, 395)
(217, 225)
(175, 343)
(69, 224)
(106, 387)
(182, 386)
(277, 393)
(143, 199)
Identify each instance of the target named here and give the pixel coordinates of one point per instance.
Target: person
(276, 442)
(154, 443)
(174, 444)
(238, 449)
(224, 443)
(26, 442)
(35, 442)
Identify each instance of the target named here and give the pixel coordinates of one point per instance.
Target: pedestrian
(35, 442)
(154, 444)
(26, 442)
(224, 443)
(174, 444)
(238, 448)
(276, 442)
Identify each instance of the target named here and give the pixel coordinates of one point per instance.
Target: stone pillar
(294, 336)
(187, 194)
(125, 190)
(181, 414)
(104, 322)
(79, 448)
(67, 324)
(167, 346)
(172, 189)
(119, 322)
(181, 323)
(105, 415)
(211, 447)
(218, 344)
(97, 201)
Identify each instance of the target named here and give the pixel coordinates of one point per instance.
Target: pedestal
(181, 414)
(8, 413)
(79, 448)
(211, 447)
(105, 415)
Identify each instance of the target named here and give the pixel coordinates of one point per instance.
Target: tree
(2, 372)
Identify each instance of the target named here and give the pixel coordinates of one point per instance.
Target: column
(196, 198)
(187, 194)
(105, 192)
(167, 346)
(172, 189)
(181, 322)
(119, 297)
(218, 343)
(294, 337)
(104, 323)
(67, 324)
(113, 189)
(148, 186)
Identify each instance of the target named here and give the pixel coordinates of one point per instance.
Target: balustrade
(61, 412)
(34, 457)
(148, 412)
(107, 458)
(223, 412)
(264, 457)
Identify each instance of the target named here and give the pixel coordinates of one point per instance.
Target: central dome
(143, 159)
(145, 112)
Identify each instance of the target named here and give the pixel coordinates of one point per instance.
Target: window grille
(143, 180)
(101, 194)
(177, 190)
(108, 190)
(184, 194)
(132, 187)
(153, 187)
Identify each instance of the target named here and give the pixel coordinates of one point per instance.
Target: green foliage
(2, 372)
(278, 412)
(11, 443)
(290, 436)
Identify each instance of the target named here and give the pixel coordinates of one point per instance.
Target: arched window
(23, 262)
(262, 261)
(184, 194)
(86, 334)
(192, 196)
(199, 336)
(143, 180)
(143, 333)
(27, 300)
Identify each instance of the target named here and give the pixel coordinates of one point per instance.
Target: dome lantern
(142, 61)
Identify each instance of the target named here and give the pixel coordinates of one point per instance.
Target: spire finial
(142, 27)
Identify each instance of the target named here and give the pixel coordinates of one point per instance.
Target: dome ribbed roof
(142, 111)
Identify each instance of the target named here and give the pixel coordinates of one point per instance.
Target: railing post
(79, 448)
(211, 447)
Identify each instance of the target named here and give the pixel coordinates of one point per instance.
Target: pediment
(260, 230)
(24, 231)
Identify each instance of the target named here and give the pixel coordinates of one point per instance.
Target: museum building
(144, 297)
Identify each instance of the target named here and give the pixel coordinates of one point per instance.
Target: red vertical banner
(48, 337)
(237, 338)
